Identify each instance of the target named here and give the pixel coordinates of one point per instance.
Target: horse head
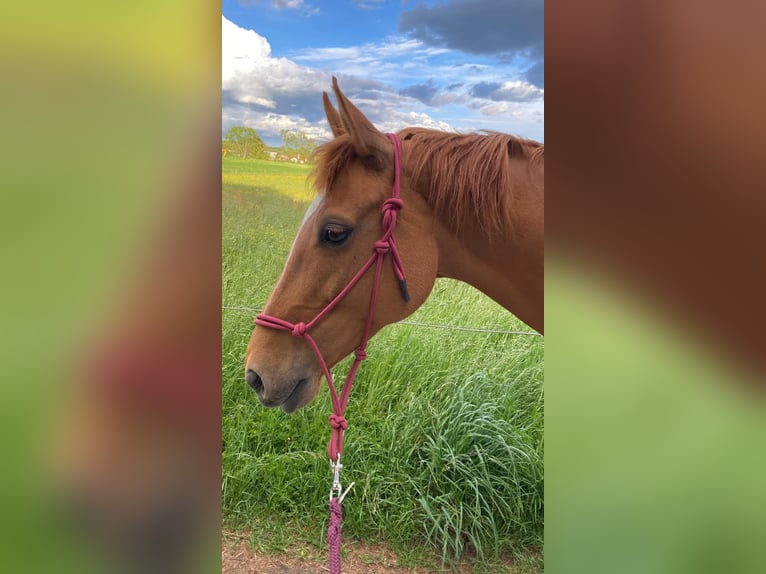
(341, 230)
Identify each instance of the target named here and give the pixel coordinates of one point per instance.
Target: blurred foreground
(110, 208)
(655, 363)
(653, 447)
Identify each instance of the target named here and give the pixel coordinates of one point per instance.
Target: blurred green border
(654, 450)
(99, 105)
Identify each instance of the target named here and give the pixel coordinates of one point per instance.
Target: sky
(454, 65)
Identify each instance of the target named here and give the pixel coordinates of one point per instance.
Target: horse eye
(335, 234)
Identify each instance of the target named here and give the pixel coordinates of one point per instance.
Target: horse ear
(336, 125)
(366, 139)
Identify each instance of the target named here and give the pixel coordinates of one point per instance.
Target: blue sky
(460, 65)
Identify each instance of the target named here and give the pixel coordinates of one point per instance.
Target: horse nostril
(254, 381)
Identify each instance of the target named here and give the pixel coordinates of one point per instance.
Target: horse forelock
(329, 160)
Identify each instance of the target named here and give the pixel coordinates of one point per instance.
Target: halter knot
(338, 422)
(382, 247)
(299, 329)
(360, 355)
(392, 203)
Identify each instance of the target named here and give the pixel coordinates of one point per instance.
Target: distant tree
(245, 141)
(297, 144)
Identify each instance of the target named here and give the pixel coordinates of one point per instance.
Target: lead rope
(333, 535)
(338, 424)
(336, 517)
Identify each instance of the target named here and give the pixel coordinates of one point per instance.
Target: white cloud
(392, 59)
(518, 91)
(241, 50)
(501, 108)
(247, 62)
(271, 93)
(256, 84)
(263, 102)
(299, 6)
(287, 3)
(325, 54)
(421, 120)
(509, 91)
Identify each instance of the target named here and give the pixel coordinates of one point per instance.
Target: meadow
(445, 439)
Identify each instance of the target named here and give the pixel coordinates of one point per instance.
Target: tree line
(245, 142)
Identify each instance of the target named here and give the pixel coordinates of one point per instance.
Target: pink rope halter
(386, 244)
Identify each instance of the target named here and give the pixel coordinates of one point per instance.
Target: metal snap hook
(336, 489)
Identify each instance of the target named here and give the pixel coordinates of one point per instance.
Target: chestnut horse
(472, 209)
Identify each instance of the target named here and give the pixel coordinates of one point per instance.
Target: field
(445, 439)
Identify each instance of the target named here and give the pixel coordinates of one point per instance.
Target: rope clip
(336, 489)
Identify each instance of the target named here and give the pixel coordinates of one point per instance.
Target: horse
(465, 206)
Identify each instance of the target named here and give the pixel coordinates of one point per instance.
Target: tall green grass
(445, 439)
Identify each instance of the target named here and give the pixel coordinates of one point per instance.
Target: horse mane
(467, 175)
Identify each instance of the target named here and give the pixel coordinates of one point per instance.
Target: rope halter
(385, 245)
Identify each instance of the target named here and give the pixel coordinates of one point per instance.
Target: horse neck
(507, 266)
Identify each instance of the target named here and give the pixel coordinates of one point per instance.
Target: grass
(445, 439)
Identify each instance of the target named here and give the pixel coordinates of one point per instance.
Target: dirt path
(239, 558)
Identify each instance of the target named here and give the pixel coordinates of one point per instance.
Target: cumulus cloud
(501, 108)
(484, 89)
(423, 92)
(256, 84)
(478, 26)
(516, 91)
(500, 28)
(271, 93)
(432, 95)
(400, 120)
(387, 80)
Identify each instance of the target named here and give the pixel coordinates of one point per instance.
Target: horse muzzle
(290, 396)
